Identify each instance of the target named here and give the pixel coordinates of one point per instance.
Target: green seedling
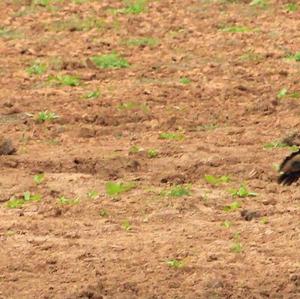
(37, 69)
(236, 247)
(291, 7)
(14, 203)
(264, 220)
(175, 263)
(232, 207)
(110, 61)
(64, 80)
(115, 189)
(251, 56)
(92, 95)
(227, 224)
(103, 213)
(152, 153)
(46, 116)
(171, 136)
(213, 180)
(39, 178)
(145, 41)
(135, 149)
(135, 6)
(126, 225)
(93, 194)
(280, 144)
(259, 3)
(185, 80)
(242, 192)
(178, 191)
(68, 201)
(282, 93)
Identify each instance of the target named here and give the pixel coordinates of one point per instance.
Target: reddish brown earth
(227, 113)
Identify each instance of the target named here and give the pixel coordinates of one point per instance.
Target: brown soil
(227, 113)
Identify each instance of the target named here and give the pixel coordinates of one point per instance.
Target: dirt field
(106, 194)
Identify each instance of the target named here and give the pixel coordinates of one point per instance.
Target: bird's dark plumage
(290, 169)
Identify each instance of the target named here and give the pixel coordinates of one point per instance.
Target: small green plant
(213, 180)
(92, 95)
(37, 68)
(135, 6)
(175, 263)
(68, 201)
(110, 61)
(135, 149)
(264, 220)
(227, 224)
(144, 41)
(178, 191)
(65, 80)
(14, 203)
(282, 93)
(152, 153)
(232, 207)
(39, 178)
(185, 80)
(251, 56)
(93, 194)
(171, 136)
(242, 191)
(259, 3)
(103, 213)
(126, 225)
(46, 116)
(114, 189)
(280, 144)
(291, 7)
(207, 127)
(9, 34)
(236, 247)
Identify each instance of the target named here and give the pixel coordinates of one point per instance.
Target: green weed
(242, 191)
(280, 144)
(103, 213)
(64, 80)
(14, 203)
(37, 68)
(236, 247)
(236, 29)
(259, 3)
(93, 194)
(175, 263)
(227, 224)
(39, 178)
(126, 225)
(232, 207)
(115, 189)
(152, 153)
(213, 180)
(171, 136)
(143, 41)
(68, 201)
(185, 80)
(177, 191)
(133, 106)
(92, 95)
(44, 116)
(284, 93)
(110, 61)
(291, 7)
(9, 34)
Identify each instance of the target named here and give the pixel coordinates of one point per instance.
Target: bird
(290, 169)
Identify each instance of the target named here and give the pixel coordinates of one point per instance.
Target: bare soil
(119, 247)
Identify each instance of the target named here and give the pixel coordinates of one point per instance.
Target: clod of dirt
(86, 133)
(6, 146)
(249, 215)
